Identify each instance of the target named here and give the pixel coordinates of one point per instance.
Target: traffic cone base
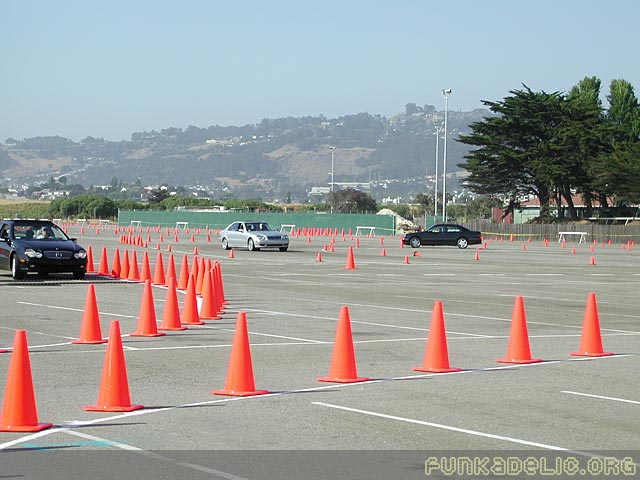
(587, 354)
(28, 428)
(106, 408)
(235, 393)
(342, 380)
(517, 361)
(436, 370)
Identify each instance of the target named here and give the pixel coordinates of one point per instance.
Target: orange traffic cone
(113, 393)
(231, 254)
(218, 286)
(590, 339)
(350, 265)
(158, 271)
(416, 253)
(134, 273)
(518, 347)
(19, 404)
(115, 264)
(209, 307)
(90, 326)
(147, 326)
(171, 312)
(190, 305)
(200, 277)
(318, 257)
(405, 261)
(89, 267)
(239, 381)
(476, 257)
(103, 266)
(171, 270)
(383, 252)
(436, 355)
(343, 361)
(124, 265)
(183, 279)
(592, 261)
(145, 271)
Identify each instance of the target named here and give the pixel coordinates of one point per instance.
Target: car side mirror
(74, 240)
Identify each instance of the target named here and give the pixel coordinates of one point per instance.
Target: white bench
(289, 228)
(104, 222)
(81, 222)
(135, 223)
(371, 230)
(583, 236)
(184, 225)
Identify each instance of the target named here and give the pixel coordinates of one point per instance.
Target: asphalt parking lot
(388, 426)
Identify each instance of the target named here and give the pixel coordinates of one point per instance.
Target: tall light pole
(332, 161)
(445, 93)
(435, 191)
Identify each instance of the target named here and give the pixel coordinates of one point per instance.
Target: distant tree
(587, 91)
(429, 109)
(351, 200)
(624, 113)
(158, 195)
(425, 202)
(410, 108)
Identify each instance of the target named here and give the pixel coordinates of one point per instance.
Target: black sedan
(443, 234)
(39, 246)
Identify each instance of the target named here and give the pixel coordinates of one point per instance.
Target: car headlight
(262, 238)
(285, 237)
(31, 253)
(80, 254)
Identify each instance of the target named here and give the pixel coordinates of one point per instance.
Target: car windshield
(258, 227)
(38, 232)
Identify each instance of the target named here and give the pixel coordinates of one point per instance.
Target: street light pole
(445, 93)
(332, 162)
(435, 192)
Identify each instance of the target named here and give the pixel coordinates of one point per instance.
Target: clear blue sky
(106, 69)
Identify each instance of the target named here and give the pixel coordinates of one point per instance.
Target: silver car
(253, 236)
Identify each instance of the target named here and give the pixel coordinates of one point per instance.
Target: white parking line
(602, 397)
(452, 428)
(74, 309)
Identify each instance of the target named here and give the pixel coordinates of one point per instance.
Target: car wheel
(16, 273)
(225, 244)
(284, 249)
(78, 275)
(414, 242)
(462, 242)
(251, 246)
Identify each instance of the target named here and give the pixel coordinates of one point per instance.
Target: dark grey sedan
(443, 234)
(39, 246)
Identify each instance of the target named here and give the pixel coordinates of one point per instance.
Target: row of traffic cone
(19, 410)
(211, 308)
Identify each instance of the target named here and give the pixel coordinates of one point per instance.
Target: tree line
(557, 145)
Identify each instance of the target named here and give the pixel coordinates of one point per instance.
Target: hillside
(269, 160)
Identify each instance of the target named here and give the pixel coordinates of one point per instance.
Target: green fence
(384, 224)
